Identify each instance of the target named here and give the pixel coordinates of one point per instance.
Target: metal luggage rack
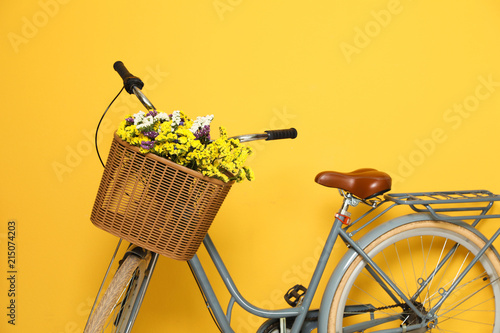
(444, 202)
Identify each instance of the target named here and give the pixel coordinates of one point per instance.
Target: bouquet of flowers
(187, 142)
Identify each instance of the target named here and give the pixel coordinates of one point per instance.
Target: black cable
(204, 297)
(99, 124)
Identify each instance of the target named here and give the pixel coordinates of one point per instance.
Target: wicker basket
(155, 203)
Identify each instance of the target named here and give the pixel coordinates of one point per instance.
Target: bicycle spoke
(402, 270)
(472, 307)
(443, 270)
(460, 269)
(425, 261)
(462, 286)
(371, 296)
(411, 260)
(450, 331)
(388, 267)
(466, 320)
(435, 271)
(394, 297)
(449, 283)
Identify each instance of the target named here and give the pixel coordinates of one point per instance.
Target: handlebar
(133, 84)
(269, 135)
(129, 81)
(282, 134)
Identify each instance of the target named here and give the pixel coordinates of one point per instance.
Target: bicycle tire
(475, 301)
(113, 312)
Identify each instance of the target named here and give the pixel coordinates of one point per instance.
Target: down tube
(215, 306)
(212, 300)
(231, 287)
(298, 312)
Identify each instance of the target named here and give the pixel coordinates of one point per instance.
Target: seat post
(349, 200)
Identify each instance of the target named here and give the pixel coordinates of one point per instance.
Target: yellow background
(366, 83)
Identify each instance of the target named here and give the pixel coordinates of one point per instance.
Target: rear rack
(444, 202)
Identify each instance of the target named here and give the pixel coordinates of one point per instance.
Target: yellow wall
(408, 87)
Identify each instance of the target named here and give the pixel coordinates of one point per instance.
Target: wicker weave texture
(155, 203)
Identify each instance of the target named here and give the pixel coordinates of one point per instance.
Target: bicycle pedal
(294, 295)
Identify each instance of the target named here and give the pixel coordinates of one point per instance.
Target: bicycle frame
(355, 249)
(301, 311)
(223, 319)
(298, 312)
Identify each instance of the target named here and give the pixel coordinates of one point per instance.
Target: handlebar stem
(144, 100)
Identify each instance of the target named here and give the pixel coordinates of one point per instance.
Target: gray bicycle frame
(223, 319)
(356, 249)
(299, 313)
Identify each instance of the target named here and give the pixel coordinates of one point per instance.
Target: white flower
(138, 117)
(162, 116)
(201, 122)
(176, 117)
(142, 121)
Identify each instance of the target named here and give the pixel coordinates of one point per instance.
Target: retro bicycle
(429, 271)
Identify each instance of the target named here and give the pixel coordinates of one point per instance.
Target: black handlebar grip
(281, 134)
(129, 81)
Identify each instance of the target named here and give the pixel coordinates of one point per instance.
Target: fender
(364, 241)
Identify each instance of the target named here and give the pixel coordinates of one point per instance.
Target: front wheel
(115, 311)
(410, 256)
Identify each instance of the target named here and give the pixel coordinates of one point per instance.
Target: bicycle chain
(314, 317)
(381, 308)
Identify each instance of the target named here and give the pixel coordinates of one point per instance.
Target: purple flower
(152, 113)
(203, 132)
(147, 144)
(130, 120)
(151, 134)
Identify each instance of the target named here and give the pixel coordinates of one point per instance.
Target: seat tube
(318, 273)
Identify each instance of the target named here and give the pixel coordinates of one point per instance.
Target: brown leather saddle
(363, 183)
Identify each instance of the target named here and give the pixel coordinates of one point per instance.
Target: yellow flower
(175, 141)
(161, 138)
(249, 173)
(195, 144)
(171, 137)
(165, 127)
